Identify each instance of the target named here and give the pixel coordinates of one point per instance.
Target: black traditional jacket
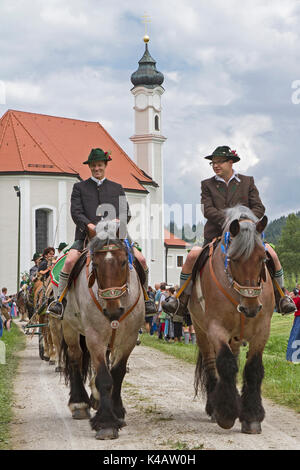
(88, 203)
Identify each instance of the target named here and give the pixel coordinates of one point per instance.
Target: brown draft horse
(104, 312)
(40, 305)
(231, 303)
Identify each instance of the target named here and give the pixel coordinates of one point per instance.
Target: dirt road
(161, 411)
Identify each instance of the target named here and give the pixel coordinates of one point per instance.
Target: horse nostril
(259, 308)
(241, 309)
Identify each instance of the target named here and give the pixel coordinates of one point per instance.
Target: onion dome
(147, 75)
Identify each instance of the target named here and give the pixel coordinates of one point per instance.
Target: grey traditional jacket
(217, 196)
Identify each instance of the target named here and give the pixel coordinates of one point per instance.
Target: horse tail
(199, 375)
(64, 359)
(86, 359)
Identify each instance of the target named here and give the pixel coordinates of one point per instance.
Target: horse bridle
(110, 293)
(115, 323)
(244, 291)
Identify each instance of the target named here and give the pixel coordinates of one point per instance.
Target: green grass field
(14, 342)
(281, 383)
(282, 379)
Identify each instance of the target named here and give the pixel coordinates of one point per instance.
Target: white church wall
(173, 270)
(51, 193)
(9, 209)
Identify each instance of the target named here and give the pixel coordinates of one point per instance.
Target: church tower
(148, 141)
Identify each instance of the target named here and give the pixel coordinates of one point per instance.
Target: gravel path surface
(161, 411)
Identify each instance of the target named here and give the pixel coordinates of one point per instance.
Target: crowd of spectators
(166, 328)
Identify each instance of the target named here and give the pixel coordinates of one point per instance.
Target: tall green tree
(288, 247)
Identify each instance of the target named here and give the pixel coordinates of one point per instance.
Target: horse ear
(92, 278)
(261, 224)
(234, 227)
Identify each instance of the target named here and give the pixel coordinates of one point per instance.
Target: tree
(288, 247)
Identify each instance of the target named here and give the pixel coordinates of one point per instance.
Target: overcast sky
(232, 77)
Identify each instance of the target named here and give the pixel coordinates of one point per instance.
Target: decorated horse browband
(245, 291)
(113, 247)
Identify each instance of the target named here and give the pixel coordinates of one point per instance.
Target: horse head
(109, 257)
(245, 257)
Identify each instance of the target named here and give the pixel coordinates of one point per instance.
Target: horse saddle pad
(202, 258)
(80, 263)
(204, 255)
(77, 268)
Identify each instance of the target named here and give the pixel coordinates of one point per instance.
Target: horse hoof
(94, 402)
(251, 428)
(59, 369)
(47, 359)
(51, 363)
(107, 433)
(224, 423)
(81, 413)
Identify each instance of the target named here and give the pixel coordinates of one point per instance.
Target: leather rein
(112, 293)
(224, 291)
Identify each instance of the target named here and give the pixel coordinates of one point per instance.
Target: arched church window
(42, 225)
(156, 123)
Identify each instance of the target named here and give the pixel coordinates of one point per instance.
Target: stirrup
(53, 313)
(150, 307)
(289, 306)
(169, 309)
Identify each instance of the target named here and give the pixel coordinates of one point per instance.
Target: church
(41, 158)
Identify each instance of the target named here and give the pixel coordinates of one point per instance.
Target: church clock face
(141, 101)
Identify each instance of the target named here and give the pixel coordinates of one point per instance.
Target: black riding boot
(57, 308)
(150, 307)
(284, 305)
(174, 305)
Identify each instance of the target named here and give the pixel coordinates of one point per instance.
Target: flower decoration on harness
(224, 247)
(129, 252)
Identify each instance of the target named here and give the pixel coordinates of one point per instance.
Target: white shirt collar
(99, 182)
(234, 176)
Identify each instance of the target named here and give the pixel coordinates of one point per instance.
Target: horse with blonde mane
(103, 315)
(232, 302)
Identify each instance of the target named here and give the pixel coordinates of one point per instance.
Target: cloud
(228, 66)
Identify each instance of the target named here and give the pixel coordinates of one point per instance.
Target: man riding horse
(86, 199)
(224, 190)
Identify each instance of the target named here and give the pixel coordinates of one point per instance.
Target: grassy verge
(282, 379)
(14, 341)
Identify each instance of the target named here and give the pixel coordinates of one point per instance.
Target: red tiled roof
(172, 240)
(38, 143)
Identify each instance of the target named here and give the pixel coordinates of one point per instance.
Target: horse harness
(224, 291)
(244, 291)
(112, 293)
